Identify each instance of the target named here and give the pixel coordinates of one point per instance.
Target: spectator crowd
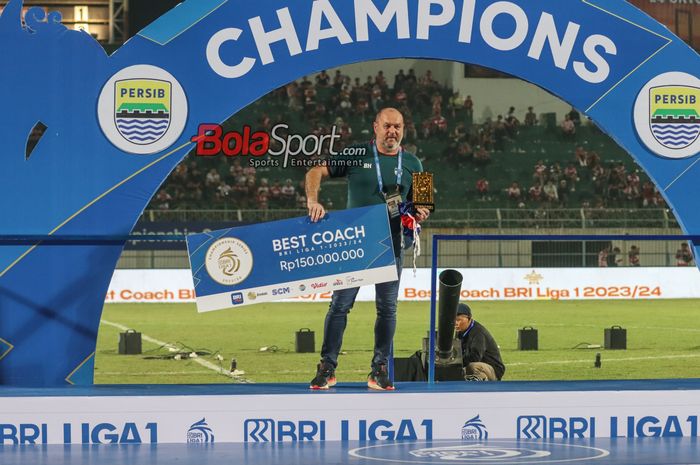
(436, 117)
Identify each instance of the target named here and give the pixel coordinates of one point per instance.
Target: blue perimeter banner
(172, 228)
(253, 264)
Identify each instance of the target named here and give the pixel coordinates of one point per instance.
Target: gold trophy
(423, 191)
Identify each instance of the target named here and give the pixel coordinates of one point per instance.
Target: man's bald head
(388, 130)
(388, 113)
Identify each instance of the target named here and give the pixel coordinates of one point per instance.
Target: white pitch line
(153, 373)
(147, 338)
(607, 360)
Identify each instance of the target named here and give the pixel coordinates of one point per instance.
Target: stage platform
(281, 413)
(648, 451)
(111, 390)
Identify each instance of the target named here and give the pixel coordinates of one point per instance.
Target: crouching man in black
(481, 359)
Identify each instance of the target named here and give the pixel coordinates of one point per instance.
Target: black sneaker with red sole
(325, 377)
(379, 379)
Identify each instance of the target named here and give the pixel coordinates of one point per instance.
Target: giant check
(272, 261)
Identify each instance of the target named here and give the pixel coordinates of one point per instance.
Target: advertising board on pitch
(143, 286)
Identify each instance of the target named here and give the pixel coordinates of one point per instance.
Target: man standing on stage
(384, 175)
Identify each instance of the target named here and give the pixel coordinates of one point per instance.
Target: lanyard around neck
(471, 325)
(399, 170)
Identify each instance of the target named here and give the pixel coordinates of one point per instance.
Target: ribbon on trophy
(410, 228)
(422, 198)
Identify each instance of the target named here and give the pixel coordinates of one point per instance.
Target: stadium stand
(536, 164)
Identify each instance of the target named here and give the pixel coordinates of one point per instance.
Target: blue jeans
(384, 327)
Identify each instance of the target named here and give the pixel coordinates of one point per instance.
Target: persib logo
(675, 115)
(667, 115)
(200, 433)
(474, 429)
(142, 109)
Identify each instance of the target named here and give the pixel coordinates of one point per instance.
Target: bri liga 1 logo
(475, 429)
(200, 433)
(142, 109)
(229, 261)
(667, 115)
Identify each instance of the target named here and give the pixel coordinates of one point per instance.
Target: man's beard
(391, 145)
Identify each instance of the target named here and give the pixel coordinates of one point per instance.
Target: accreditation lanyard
(468, 329)
(399, 170)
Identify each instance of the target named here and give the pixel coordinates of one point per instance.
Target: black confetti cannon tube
(450, 288)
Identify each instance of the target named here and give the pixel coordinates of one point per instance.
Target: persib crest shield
(674, 113)
(142, 109)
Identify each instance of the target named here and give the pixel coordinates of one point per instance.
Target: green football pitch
(663, 340)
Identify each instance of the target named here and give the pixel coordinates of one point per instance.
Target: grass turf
(663, 340)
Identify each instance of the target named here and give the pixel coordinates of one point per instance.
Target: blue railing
(516, 237)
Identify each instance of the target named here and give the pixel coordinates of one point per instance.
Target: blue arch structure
(95, 169)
